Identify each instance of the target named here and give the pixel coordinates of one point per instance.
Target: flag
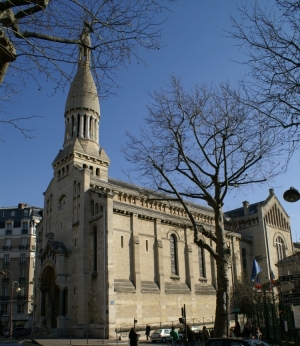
(258, 285)
(273, 277)
(256, 269)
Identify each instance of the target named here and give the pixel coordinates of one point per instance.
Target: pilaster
(136, 253)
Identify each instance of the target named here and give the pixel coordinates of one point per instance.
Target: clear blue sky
(195, 48)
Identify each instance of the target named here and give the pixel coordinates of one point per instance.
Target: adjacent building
(17, 262)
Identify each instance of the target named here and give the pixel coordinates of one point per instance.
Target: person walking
(191, 335)
(246, 333)
(175, 336)
(133, 337)
(237, 329)
(205, 334)
(148, 330)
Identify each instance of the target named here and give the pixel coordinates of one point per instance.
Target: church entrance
(49, 298)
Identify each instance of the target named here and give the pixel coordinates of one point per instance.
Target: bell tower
(82, 118)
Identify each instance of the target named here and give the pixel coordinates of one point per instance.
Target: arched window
(147, 247)
(244, 261)
(96, 209)
(58, 173)
(174, 261)
(97, 172)
(280, 248)
(101, 209)
(78, 189)
(201, 262)
(95, 249)
(74, 191)
(92, 209)
(122, 242)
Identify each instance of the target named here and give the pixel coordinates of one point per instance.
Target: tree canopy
(270, 35)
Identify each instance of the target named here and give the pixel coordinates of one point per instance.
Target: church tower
(82, 118)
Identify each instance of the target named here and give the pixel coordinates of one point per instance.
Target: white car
(163, 335)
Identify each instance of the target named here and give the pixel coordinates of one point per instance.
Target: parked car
(18, 331)
(235, 342)
(163, 335)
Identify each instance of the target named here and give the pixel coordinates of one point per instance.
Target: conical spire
(83, 92)
(82, 111)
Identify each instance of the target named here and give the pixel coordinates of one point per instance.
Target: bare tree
(42, 35)
(197, 146)
(270, 35)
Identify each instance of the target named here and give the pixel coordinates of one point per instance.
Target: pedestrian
(205, 334)
(148, 330)
(191, 335)
(133, 337)
(175, 336)
(237, 329)
(246, 333)
(257, 333)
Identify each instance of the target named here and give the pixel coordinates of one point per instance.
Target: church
(109, 258)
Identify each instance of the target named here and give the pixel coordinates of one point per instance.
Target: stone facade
(110, 252)
(17, 262)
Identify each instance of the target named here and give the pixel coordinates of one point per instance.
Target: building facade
(17, 263)
(107, 254)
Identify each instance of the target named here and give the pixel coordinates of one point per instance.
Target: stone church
(107, 257)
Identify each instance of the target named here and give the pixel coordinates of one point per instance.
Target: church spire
(82, 111)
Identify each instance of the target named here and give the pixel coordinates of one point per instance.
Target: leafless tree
(42, 35)
(270, 34)
(197, 146)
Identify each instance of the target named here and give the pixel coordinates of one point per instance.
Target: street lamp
(291, 195)
(11, 297)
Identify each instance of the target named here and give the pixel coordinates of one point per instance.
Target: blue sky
(195, 47)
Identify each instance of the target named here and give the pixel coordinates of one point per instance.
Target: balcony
(5, 247)
(22, 264)
(23, 247)
(24, 231)
(6, 264)
(8, 232)
(4, 298)
(5, 281)
(22, 281)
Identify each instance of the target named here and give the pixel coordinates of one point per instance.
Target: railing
(8, 232)
(6, 264)
(5, 281)
(24, 231)
(23, 247)
(22, 264)
(5, 247)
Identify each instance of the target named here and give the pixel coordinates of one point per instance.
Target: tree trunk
(223, 284)
(7, 54)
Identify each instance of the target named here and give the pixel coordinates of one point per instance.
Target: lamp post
(292, 195)
(11, 298)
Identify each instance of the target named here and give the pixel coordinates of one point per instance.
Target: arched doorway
(49, 297)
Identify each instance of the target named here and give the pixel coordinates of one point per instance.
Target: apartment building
(17, 263)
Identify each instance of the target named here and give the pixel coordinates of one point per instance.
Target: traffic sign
(291, 298)
(294, 277)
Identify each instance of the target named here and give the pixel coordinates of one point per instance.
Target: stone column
(87, 126)
(81, 120)
(189, 261)
(159, 256)
(61, 302)
(136, 252)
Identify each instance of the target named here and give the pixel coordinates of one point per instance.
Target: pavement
(47, 341)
